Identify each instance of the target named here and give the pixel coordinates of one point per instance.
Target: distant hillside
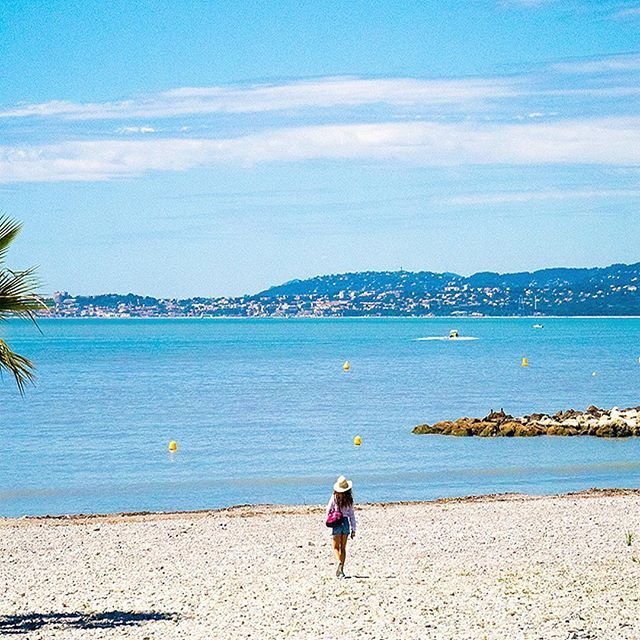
(421, 282)
(609, 290)
(567, 292)
(407, 282)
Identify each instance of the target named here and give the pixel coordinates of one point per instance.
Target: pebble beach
(491, 567)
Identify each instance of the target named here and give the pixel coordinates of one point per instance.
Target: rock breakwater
(603, 423)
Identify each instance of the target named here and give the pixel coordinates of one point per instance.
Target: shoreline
(274, 509)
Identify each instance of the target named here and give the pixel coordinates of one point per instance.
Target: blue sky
(217, 148)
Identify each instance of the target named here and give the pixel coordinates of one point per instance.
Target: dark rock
(621, 429)
(605, 431)
(508, 428)
(528, 430)
(498, 417)
(534, 417)
(591, 429)
(486, 429)
(561, 416)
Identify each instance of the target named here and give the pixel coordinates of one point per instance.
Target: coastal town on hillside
(606, 291)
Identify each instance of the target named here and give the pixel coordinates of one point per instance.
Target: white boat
(453, 334)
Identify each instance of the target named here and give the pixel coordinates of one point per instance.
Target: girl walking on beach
(342, 519)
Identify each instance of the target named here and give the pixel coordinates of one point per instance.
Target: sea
(263, 412)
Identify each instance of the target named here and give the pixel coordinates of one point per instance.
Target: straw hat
(342, 485)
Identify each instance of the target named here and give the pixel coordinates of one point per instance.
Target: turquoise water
(262, 411)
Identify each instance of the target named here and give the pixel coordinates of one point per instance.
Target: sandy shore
(505, 567)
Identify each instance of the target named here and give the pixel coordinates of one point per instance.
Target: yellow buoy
(357, 441)
(173, 446)
(346, 366)
(525, 362)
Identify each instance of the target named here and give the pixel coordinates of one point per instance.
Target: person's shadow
(26, 622)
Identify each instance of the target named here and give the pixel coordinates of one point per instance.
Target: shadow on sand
(26, 622)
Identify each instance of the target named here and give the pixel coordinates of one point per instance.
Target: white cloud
(321, 93)
(627, 62)
(126, 130)
(515, 197)
(613, 141)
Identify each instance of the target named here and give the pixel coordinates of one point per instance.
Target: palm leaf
(16, 294)
(16, 299)
(9, 229)
(18, 366)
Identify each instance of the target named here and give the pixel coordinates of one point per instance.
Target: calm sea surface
(262, 411)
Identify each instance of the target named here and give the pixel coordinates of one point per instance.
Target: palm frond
(17, 299)
(9, 229)
(16, 294)
(18, 366)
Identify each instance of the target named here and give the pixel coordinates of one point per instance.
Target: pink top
(348, 513)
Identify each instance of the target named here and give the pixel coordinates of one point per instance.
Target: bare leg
(337, 546)
(343, 549)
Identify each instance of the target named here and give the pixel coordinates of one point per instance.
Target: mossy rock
(486, 429)
(459, 431)
(439, 428)
(444, 427)
(559, 430)
(508, 429)
(466, 424)
(424, 428)
(527, 430)
(593, 422)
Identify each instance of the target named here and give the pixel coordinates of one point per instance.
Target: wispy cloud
(631, 12)
(515, 197)
(627, 62)
(322, 93)
(524, 3)
(595, 141)
(353, 98)
(581, 111)
(132, 130)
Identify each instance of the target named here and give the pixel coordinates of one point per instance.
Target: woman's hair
(344, 499)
